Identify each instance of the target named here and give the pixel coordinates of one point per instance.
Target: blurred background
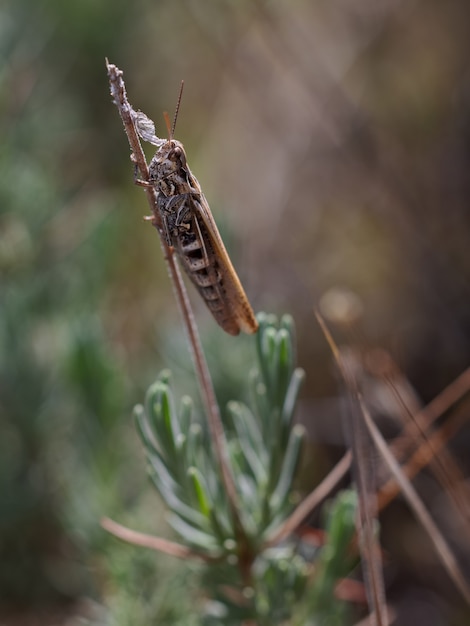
(332, 140)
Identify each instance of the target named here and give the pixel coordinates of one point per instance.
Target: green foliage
(263, 452)
(247, 578)
(335, 560)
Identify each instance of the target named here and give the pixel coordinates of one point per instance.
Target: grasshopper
(189, 228)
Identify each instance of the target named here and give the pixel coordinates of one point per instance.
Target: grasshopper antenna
(177, 110)
(171, 127)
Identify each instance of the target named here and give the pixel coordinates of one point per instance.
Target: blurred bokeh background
(332, 140)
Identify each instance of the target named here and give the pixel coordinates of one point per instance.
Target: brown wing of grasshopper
(218, 282)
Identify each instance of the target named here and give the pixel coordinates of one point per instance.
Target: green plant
(247, 576)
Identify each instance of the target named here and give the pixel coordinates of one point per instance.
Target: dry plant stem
(370, 550)
(437, 407)
(432, 446)
(417, 506)
(309, 504)
(406, 487)
(443, 465)
(149, 541)
(118, 92)
(422, 456)
(367, 501)
(416, 421)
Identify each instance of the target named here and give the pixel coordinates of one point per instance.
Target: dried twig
(417, 506)
(424, 455)
(431, 449)
(424, 417)
(129, 116)
(149, 541)
(370, 549)
(309, 504)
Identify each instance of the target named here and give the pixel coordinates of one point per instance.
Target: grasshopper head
(169, 159)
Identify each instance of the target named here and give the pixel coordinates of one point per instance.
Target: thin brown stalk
(437, 407)
(149, 541)
(425, 449)
(421, 457)
(444, 467)
(118, 92)
(370, 549)
(416, 504)
(423, 419)
(309, 504)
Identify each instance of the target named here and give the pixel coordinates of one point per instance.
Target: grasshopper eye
(179, 155)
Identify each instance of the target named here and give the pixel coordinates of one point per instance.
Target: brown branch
(437, 407)
(307, 506)
(442, 548)
(149, 541)
(424, 455)
(431, 449)
(370, 549)
(118, 92)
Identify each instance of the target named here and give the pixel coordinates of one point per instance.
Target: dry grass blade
(422, 456)
(443, 465)
(425, 448)
(368, 543)
(441, 403)
(432, 451)
(417, 506)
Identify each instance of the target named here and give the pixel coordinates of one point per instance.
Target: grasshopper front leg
(146, 184)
